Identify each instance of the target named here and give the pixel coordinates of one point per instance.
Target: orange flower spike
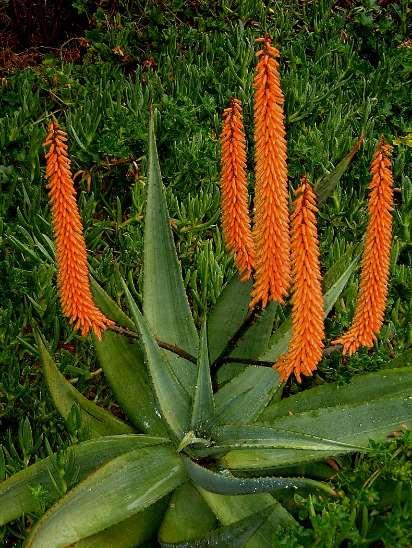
(373, 289)
(233, 181)
(308, 332)
(271, 221)
(71, 256)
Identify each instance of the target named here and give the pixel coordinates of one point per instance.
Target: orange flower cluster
(306, 345)
(373, 289)
(271, 219)
(233, 181)
(72, 268)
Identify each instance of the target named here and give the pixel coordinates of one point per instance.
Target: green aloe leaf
(224, 484)
(120, 488)
(122, 360)
(257, 436)
(203, 400)
(130, 532)
(108, 306)
(327, 184)
(235, 535)
(95, 421)
(187, 517)
(165, 303)
(251, 345)
(227, 315)
(361, 388)
(352, 424)
(17, 492)
(173, 400)
(243, 398)
(231, 509)
(334, 286)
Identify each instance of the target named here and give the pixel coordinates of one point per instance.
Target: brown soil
(31, 28)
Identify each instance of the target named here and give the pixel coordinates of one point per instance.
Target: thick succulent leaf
(95, 421)
(336, 284)
(361, 388)
(187, 517)
(257, 436)
(243, 398)
(120, 488)
(235, 535)
(174, 402)
(327, 184)
(165, 303)
(231, 509)
(109, 307)
(225, 484)
(203, 399)
(334, 292)
(352, 424)
(251, 345)
(130, 532)
(122, 360)
(227, 315)
(16, 493)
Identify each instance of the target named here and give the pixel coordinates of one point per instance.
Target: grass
(345, 72)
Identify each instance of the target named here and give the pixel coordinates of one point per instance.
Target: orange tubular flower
(306, 345)
(72, 268)
(233, 181)
(271, 221)
(373, 290)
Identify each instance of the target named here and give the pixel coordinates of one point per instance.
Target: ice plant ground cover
(355, 59)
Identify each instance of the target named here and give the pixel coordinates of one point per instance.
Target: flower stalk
(373, 290)
(306, 345)
(271, 218)
(71, 255)
(235, 213)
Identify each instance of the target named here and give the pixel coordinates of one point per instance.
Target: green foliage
(344, 72)
(243, 435)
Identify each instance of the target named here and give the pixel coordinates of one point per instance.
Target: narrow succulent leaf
(224, 484)
(244, 398)
(316, 470)
(95, 421)
(122, 360)
(235, 535)
(124, 486)
(17, 492)
(130, 532)
(203, 400)
(108, 306)
(361, 388)
(353, 424)
(327, 184)
(165, 303)
(251, 345)
(336, 284)
(256, 436)
(227, 315)
(173, 400)
(230, 509)
(334, 292)
(187, 517)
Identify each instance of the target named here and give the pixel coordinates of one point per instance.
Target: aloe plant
(203, 453)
